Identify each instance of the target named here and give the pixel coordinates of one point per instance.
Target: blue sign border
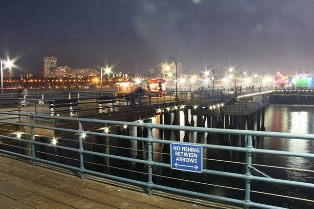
(191, 157)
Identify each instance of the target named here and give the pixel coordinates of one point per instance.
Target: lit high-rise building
(50, 63)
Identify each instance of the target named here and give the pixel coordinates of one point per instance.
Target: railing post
(31, 118)
(81, 150)
(249, 149)
(19, 109)
(150, 160)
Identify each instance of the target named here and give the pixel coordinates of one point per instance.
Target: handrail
(80, 146)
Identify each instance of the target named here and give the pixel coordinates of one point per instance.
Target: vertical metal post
(81, 150)
(150, 160)
(31, 118)
(1, 62)
(101, 80)
(248, 175)
(177, 99)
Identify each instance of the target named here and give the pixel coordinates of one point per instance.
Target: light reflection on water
(286, 119)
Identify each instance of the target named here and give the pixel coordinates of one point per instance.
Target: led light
(195, 107)
(54, 141)
(83, 135)
(125, 126)
(18, 135)
(106, 130)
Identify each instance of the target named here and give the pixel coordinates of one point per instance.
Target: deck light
(18, 135)
(106, 130)
(54, 141)
(83, 135)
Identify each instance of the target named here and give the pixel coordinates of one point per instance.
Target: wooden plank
(45, 188)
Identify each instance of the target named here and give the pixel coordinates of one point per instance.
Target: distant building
(84, 72)
(26, 76)
(50, 63)
(62, 72)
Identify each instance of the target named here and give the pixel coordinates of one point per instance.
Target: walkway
(25, 186)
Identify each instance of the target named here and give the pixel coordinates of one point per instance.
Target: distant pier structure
(243, 113)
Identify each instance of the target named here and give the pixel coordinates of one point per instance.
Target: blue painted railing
(30, 145)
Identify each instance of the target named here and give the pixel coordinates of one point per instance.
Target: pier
(137, 152)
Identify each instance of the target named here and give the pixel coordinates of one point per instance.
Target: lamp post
(173, 60)
(1, 62)
(213, 78)
(235, 79)
(101, 80)
(8, 64)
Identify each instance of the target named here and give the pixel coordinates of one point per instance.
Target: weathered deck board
(25, 186)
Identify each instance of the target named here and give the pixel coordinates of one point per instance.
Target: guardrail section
(148, 155)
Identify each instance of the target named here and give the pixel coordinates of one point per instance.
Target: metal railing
(102, 153)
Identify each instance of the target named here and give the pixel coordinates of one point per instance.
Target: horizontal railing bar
(183, 128)
(14, 153)
(286, 153)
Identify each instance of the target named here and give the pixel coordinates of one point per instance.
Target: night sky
(136, 35)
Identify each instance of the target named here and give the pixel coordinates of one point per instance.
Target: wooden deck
(25, 186)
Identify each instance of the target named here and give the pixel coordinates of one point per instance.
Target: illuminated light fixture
(210, 107)
(106, 130)
(182, 106)
(125, 126)
(140, 121)
(175, 107)
(158, 110)
(222, 104)
(18, 135)
(214, 107)
(83, 135)
(168, 108)
(54, 141)
(195, 107)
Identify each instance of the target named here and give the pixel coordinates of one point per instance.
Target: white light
(83, 135)
(175, 107)
(54, 141)
(106, 130)
(182, 106)
(140, 121)
(168, 108)
(125, 126)
(195, 107)
(18, 135)
(9, 64)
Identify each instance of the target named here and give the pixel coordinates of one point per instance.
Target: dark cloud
(258, 36)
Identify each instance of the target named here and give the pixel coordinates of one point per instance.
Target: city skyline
(135, 36)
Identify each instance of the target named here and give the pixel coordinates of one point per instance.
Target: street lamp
(101, 80)
(173, 60)
(107, 70)
(8, 64)
(213, 78)
(235, 78)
